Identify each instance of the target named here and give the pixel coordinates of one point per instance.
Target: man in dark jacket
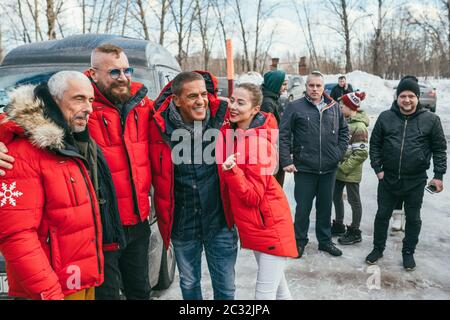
(401, 146)
(341, 88)
(275, 83)
(320, 139)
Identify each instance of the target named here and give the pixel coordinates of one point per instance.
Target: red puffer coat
(124, 142)
(250, 192)
(161, 154)
(50, 226)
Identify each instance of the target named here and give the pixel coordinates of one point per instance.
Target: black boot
(301, 250)
(353, 235)
(337, 229)
(373, 257)
(408, 260)
(331, 249)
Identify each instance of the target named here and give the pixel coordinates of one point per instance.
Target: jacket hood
(360, 116)
(273, 80)
(28, 115)
(261, 126)
(269, 94)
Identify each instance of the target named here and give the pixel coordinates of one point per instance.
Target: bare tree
(160, 13)
(125, 16)
(219, 7)
(182, 12)
(203, 9)
(262, 15)
(244, 34)
(377, 40)
(1, 42)
(34, 11)
(307, 33)
(436, 31)
(51, 19)
(26, 34)
(341, 9)
(141, 18)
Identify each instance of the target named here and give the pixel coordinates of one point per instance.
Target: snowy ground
(317, 275)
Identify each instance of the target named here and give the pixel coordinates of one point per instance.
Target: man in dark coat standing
(313, 129)
(401, 146)
(342, 88)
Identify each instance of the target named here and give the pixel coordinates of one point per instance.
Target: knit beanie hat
(408, 84)
(273, 80)
(353, 99)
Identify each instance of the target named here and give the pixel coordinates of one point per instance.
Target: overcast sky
(288, 36)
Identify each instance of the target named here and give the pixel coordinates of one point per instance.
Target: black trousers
(390, 191)
(127, 269)
(307, 187)
(353, 198)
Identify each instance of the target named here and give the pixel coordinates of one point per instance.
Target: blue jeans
(221, 254)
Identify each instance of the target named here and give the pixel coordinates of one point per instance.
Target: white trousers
(271, 282)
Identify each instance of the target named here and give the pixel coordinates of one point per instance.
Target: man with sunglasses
(120, 126)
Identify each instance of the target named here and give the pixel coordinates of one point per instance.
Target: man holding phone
(401, 146)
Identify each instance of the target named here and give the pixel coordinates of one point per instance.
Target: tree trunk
(26, 35)
(125, 17)
(257, 34)
(244, 35)
(51, 20)
(448, 16)
(377, 41)
(143, 20)
(348, 58)
(1, 44)
(162, 21)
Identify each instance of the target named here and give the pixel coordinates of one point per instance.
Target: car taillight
(432, 93)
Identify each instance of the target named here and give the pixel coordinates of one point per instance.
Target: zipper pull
(72, 179)
(105, 121)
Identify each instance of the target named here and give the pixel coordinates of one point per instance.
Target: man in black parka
(403, 141)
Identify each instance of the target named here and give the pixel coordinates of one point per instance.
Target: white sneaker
(397, 223)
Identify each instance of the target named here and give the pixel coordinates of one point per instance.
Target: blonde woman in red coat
(251, 193)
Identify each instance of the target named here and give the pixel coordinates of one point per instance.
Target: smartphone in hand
(431, 188)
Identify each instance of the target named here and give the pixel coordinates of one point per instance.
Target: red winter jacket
(50, 226)
(250, 192)
(124, 142)
(161, 157)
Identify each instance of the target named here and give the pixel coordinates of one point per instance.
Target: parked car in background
(222, 87)
(153, 66)
(428, 95)
(329, 87)
(296, 87)
(3, 279)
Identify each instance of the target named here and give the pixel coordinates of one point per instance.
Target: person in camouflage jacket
(349, 173)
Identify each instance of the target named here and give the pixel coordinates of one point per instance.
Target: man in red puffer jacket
(119, 125)
(50, 227)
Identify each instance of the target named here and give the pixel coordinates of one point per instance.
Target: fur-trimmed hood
(28, 115)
